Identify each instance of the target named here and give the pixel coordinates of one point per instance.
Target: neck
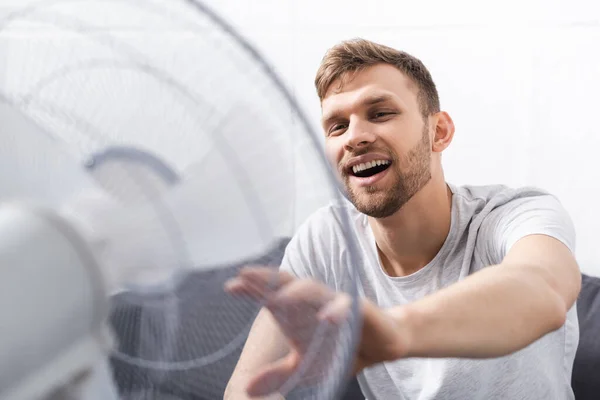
(410, 238)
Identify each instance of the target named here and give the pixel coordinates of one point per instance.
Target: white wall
(520, 78)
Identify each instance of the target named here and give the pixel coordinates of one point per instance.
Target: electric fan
(148, 152)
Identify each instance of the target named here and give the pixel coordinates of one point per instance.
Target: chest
(451, 265)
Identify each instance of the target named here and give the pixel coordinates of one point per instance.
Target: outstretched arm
(494, 312)
(497, 310)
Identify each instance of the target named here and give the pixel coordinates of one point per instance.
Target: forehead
(380, 81)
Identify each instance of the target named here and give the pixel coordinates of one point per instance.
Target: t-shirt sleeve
(303, 254)
(294, 259)
(520, 217)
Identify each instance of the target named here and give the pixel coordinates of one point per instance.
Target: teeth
(367, 165)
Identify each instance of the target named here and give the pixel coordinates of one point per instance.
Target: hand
(310, 317)
(308, 311)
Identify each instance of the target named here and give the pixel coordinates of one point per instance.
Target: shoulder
(338, 216)
(496, 203)
(499, 202)
(497, 195)
(506, 214)
(324, 237)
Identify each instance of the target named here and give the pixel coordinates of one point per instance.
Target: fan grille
(236, 169)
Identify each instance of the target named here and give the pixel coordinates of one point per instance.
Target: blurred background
(521, 80)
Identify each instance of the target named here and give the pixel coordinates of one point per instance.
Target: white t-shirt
(486, 221)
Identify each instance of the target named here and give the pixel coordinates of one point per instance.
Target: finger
(267, 275)
(237, 286)
(260, 283)
(272, 378)
(337, 310)
(242, 287)
(257, 277)
(295, 307)
(303, 295)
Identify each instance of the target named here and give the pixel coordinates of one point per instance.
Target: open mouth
(371, 168)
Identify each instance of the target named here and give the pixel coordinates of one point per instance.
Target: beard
(406, 182)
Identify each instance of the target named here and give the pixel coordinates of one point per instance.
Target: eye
(336, 129)
(382, 115)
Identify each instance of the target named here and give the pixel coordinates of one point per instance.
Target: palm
(308, 314)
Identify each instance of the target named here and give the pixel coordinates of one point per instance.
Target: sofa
(586, 369)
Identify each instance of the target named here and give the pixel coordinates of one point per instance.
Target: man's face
(377, 139)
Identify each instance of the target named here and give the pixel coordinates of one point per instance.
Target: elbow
(556, 299)
(561, 297)
(566, 302)
(558, 320)
(557, 312)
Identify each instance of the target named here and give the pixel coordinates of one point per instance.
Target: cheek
(401, 145)
(333, 152)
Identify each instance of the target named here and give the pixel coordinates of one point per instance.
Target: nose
(358, 135)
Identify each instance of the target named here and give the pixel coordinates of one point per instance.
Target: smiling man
(468, 291)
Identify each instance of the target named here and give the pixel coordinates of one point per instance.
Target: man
(469, 291)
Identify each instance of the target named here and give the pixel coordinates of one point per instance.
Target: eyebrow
(368, 101)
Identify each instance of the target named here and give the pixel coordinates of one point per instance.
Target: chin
(378, 211)
(376, 205)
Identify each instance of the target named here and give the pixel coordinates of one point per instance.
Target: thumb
(272, 377)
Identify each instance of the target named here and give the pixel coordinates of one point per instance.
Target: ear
(444, 131)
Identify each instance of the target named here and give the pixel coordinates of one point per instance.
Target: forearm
(264, 345)
(494, 312)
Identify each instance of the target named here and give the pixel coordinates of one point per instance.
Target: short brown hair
(357, 54)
